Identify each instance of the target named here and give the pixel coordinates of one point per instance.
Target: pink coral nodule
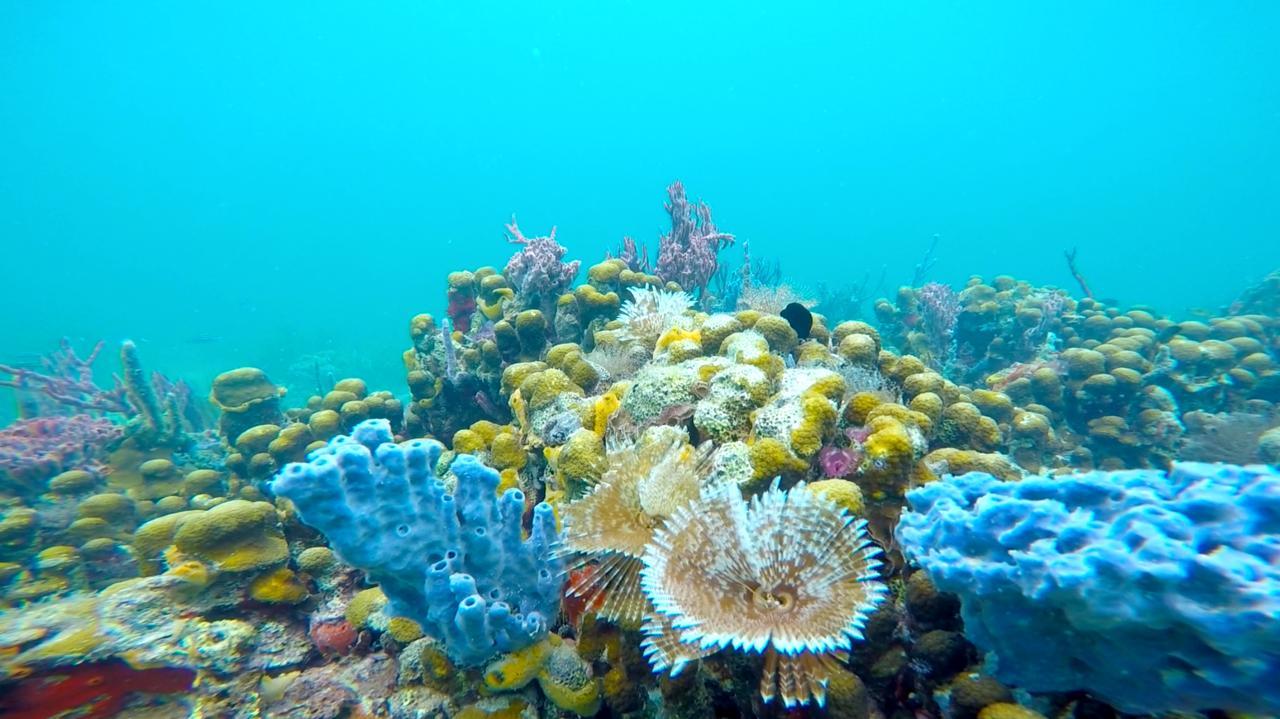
(836, 462)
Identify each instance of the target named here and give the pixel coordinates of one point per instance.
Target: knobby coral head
(790, 575)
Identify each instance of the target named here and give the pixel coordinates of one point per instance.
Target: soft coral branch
(687, 255)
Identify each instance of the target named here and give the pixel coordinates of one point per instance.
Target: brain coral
(1156, 591)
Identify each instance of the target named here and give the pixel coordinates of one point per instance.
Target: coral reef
(157, 411)
(970, 507)
(981, 328)
(32, 450)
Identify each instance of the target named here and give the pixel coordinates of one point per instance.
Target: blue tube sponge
(458, 564)
(1155, 591)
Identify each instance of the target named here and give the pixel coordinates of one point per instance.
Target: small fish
(799, 317)
(203, 339)
(25, 360)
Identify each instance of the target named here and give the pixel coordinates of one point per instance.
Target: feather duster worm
(789, 575)
(609, 528)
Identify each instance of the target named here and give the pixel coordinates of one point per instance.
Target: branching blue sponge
(1156, 591)
(455, 563)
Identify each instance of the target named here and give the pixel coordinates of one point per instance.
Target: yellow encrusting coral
(819, 420)
(771, 458)
(514, 670)
(567, 681)
(280, 586)
(841, 491)
(364, 604)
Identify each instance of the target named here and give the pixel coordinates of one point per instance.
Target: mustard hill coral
(246, 398)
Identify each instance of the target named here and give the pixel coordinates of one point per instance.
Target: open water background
(277, 184)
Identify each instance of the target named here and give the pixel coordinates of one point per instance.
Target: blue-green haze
(249, 183)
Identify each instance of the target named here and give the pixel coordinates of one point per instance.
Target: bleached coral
(657, 387)
(790, 575)
(785, 412)
(733, 394)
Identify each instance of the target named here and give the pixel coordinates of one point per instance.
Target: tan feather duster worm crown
(790, 575)
(606, 531)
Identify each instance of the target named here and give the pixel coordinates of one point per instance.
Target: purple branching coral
(1052, 307)
(33, 450)
(939, 311)
(538, 270)
(155, 406)
(450, 359)
(65, 380)
(687, 255)
(636, 257)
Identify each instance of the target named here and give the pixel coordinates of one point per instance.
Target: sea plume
(607, 530)
(789, 575)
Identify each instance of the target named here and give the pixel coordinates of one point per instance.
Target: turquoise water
(230, 184)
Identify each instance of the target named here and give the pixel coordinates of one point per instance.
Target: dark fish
(800, 318)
